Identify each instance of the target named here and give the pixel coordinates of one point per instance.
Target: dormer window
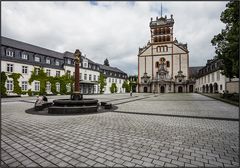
(48, 61)
(24, 56)
(10, 53)
(57, 63)
(37, 59)
(69, 61)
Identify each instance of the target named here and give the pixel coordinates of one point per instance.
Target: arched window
(154, 31)
(168, 38)
(155, 39)
(166, 48)
(164, 38)
(158, 31)
(157, 64)
(168, 63)
(159, 39)
(164, 31)
(158, 49)
(168, 30)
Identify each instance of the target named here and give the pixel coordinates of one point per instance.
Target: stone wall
(232, 87)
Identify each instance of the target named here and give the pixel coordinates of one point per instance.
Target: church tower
(161, 29)
(163, 62)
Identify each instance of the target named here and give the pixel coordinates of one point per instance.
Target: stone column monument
(76, 94)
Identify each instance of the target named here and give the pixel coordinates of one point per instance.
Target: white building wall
(200, 82)
(118, 81)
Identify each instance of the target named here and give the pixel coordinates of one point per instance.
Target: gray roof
(108, 68)
(162, 21)
(28, 47)
(71, 55)
(193, 71)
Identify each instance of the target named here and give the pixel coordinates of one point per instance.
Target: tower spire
(161, 9)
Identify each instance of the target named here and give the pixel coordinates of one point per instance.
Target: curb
(220, 99)
(183, 116)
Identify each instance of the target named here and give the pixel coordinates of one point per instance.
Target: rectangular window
(220, 87)
(37, 59)
(120, 81)
(80, 76)
(115, 80)
(9, 85)
(48, 61)
(90, 77)
(48, 87)
(69, 61)
(48, 71)
(85, 76)
(37, 86)
(213, 76)
(57, 73)
(24, 56)
(24, 86)
(10, 53)
(58, 87)
(68, 73)
(37, 70)
(94, 77)
(208, 78)
(57, 63)
(112, 80)
(218, 75)
(9, 67)
(85, 65)
(24, 69)
(109, 80)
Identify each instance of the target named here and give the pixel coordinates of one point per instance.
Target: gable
(177, 49)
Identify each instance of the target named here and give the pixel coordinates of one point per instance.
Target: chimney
(165, 16)
(151, 18)
(156, 18)
(171, 16)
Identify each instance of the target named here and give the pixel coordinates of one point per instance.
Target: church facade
(163, 64)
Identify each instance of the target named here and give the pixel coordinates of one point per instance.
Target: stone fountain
(76, 103)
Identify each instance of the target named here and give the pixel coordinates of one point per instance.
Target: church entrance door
(145, 89)
(180, 89)
(162, 89)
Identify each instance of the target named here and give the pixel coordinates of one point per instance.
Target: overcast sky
(113, 30)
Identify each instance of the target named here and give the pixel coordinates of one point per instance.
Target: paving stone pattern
(113, 139)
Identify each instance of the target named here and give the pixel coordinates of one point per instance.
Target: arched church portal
(162, 89)
(180, 89)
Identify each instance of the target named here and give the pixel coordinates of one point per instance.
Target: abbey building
(163, 64)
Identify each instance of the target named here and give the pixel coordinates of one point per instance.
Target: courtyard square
(143, 130)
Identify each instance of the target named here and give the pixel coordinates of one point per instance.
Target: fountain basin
(66, 106)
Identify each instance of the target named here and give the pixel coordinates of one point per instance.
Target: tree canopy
(227, 42)
(106, 62)
(102, 82)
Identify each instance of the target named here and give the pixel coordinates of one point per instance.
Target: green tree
(106, 62)
(64, 80)
(113, 88)
(102, 82)
(126, 86)
(3, 81)
(16, 88)
(227, 42)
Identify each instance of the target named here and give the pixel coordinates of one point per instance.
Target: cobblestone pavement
(182, 104)
(120, 139)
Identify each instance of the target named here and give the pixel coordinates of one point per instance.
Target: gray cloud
(112, 30)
